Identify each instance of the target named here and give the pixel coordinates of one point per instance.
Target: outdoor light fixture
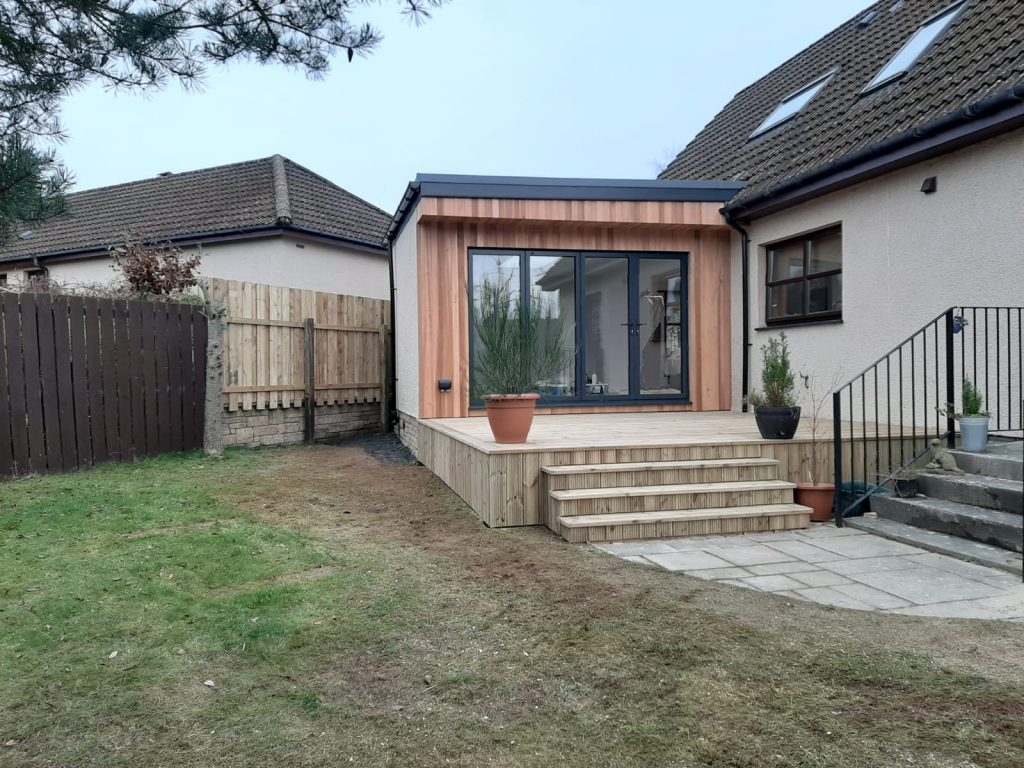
(929, 185)
(444, 385)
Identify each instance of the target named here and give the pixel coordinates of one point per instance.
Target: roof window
(792, 105)
(916, 46)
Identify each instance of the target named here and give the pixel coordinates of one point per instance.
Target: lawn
(321, 607)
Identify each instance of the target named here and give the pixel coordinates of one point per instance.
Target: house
(848, 197)
(264, 221)
(884, 170)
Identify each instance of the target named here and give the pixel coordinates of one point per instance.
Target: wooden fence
(85, 381)
(287, 347)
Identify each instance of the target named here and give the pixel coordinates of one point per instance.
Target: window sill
(801, 324)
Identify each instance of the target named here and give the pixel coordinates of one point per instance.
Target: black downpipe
(393, 394)
(745, 303)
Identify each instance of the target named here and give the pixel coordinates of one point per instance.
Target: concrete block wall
(285, 426)
(407, 429)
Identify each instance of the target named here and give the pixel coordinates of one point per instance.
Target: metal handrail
(927, 361)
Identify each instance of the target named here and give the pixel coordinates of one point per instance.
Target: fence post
(950, 382)
(213, 401)
(310, 376)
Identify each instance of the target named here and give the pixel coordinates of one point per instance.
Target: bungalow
(264, 221)
(848, 197)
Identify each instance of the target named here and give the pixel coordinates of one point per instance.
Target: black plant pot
(777, 423)
(906, 488)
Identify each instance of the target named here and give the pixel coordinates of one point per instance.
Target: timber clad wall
(448, 228)
(85, 381)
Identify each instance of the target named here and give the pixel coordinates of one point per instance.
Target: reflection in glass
(553, 290)
(606, 320)
(660, 327)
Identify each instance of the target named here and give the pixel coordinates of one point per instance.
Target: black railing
(885, 417)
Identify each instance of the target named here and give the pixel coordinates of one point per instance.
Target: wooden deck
(506, 485)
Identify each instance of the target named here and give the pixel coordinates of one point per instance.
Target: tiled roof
(980, 55)
(263, 193)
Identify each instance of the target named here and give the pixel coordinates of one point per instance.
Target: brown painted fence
(287, 347)
(85, 381)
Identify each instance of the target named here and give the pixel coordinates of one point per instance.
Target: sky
(576, 88)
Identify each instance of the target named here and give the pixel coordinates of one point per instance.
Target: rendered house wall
(907, 256)
(282, 261)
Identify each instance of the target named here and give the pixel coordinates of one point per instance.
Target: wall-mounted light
(444, 385)
(929, 185)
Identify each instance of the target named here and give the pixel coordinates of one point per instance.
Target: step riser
(633, 479)
(953, 488)
(667, 501)
(991, 465)
(658, 530)
(962, 526)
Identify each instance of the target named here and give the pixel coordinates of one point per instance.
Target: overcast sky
(599, 88)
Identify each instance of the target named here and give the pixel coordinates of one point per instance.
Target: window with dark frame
(804, 278)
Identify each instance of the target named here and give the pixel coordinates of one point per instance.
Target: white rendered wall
(407, 325)
(907, 256)
(276, 261)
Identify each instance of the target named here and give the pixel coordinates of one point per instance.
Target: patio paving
(841, 567)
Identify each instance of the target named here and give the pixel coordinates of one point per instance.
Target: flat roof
(547, 188)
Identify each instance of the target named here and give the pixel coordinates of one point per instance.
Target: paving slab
(922, 585)
(829, 596)
(753, 554)
(804, 550)
(688, 561)
(864, 546)
(839, 567)
(719, 573)
(775, 583)
(792, 566)
(820, 578)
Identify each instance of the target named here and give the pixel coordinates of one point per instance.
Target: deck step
(942, 543)
(989, 526)
(653, 498)
(684, 522)
(625, 474)
(977, 490)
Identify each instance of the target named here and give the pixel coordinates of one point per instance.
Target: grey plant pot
(777, 423)
(973, 433)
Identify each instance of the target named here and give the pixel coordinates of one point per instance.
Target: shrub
(778, 383)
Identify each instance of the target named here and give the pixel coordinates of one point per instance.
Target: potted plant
(515, 350)
(775, 409)
(818, 495)
(973, 418)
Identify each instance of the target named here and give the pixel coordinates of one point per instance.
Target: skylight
(792, 105)
(915, 47)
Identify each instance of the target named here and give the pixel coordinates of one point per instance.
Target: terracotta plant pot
(820, 497)
(511, 416)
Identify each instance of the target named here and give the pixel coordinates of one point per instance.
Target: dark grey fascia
(541, 188)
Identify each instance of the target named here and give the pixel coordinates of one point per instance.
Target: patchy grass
(354, 612)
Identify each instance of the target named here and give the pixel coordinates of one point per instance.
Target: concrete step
(654, 498)
(989, 526)
(683, 522)
(632, 474)
(977, 490)
(942, 543)
(1005, 460)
